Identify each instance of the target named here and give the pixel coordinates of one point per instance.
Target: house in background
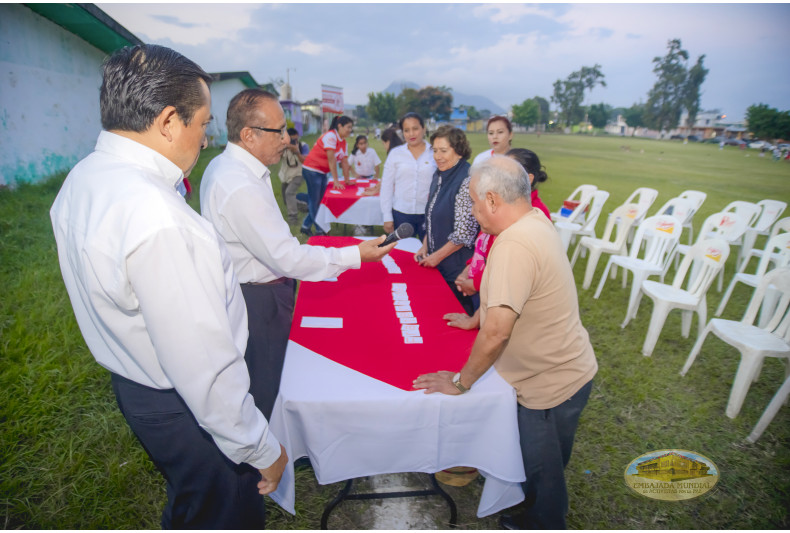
(459, 118)
(224, 87)
(50, 76)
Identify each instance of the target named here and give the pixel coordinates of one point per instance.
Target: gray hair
(504, 176)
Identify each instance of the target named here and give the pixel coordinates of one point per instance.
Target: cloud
(511, 13)
(314, 49)
(190, 24)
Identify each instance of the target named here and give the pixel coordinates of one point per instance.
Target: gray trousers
(289, 191)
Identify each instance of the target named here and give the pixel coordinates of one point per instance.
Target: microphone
(404, 231)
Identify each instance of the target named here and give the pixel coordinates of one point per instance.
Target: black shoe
(506, 522)
(320, 232)
(306, 231)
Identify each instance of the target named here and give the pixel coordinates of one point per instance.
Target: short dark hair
(139, 82)
(293, 132)
(241, 110)
(456, 138)
(411, 114)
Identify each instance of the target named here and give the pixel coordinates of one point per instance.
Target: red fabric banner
(338, 201)
(377, 326)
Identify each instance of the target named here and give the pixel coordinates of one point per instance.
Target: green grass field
(70, 462)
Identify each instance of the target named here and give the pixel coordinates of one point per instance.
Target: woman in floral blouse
(450, 227)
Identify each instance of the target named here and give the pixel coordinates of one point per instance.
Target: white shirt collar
(237, 152)
(139, 155)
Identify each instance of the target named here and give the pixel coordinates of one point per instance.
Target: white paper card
(333, 191)
(405, 307)
(408, 320)
(400, 297)
(398, 287)
(412, 340)
(322, 322)
(404, 314)
(409, 333)
(410, 327)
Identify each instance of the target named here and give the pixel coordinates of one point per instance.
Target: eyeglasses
(282, 131)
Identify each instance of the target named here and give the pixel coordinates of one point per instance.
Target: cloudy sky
(507, 52)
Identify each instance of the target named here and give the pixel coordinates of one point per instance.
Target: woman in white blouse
(407, 177)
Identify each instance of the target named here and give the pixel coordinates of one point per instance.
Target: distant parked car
(693, 139)
(761, 144)
(783, 146)
(734, 142)
(677, 137)
(715, 140)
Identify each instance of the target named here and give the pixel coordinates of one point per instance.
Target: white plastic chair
(661, 234)
(682, 209)
(619, 223)
(781, 226)
(708, 257)
(569, 230)
(583, 194)
(770, 412)
(780, 244)
(644, 198)
(771, 211)
(698, 198)
(754, 343)
(728, 226)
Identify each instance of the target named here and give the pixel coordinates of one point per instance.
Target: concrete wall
(222, 92)
(49, 96)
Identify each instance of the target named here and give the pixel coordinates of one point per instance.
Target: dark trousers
(316, 187)
(270, 311)
(418, 221)
(546, 437)
(205, 489)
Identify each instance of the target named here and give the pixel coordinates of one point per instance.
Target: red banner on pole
(332, 99)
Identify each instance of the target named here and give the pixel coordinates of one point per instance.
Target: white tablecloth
(366, 212)
(351, 425)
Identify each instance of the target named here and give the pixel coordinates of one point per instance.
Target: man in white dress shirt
(236, 196)
(156, 298)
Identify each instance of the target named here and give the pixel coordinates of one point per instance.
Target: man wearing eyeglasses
(236, 196)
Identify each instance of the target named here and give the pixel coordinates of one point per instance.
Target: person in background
(391, 140)
(328, 151)
(364, 161)
(156, 297)
(450, 227)
(290, 173)
(468, 281)
(407, 177)
(532, 333)
(500, 138)
(236, 196)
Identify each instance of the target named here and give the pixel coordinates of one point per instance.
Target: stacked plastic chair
(660, 235)
(754, 343)
(781, 226)
(706, 258)
(581, 196)
(570, 230)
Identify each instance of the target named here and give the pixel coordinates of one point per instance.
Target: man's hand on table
(441, 381)
(369, 251)
(270, 477)
(462, 320)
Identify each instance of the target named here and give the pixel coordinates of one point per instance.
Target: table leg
(345, 494)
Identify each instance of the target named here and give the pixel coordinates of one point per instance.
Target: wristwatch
(457, 383)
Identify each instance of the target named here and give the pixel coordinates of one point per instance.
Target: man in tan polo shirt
(531, 331)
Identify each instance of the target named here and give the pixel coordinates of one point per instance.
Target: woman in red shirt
(330, 149)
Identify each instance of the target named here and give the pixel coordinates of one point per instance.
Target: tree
(634, 116)
(569, 93)
(599, 115)
(382, 107)
(691, 92)
(543, 108)
(677, 88)
(527, 113)
(429, 102)
(768, 123)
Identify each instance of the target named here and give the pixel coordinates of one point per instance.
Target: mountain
(480, 102)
